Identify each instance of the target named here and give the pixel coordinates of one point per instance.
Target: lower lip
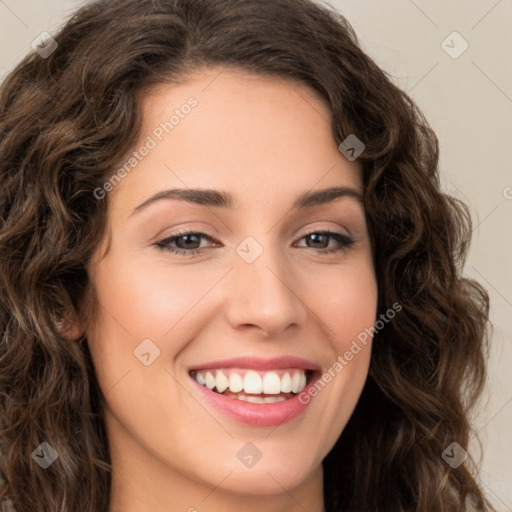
(258, 415)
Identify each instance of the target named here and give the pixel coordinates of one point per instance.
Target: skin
(266, 142)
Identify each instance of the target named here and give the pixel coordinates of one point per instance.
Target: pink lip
(257, 363)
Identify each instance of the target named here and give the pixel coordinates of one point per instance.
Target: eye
(187, 243)
(320, 237)
(185, 240)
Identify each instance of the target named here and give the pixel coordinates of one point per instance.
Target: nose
(264, 295)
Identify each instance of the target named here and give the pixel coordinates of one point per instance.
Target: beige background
(468, 101)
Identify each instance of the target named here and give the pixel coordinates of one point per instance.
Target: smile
(257, 387)
(254, 391)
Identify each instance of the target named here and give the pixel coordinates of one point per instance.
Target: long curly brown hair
(65, 123)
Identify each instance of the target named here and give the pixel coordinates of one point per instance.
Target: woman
(320, 350)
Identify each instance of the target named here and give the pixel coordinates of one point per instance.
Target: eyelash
(164, 243)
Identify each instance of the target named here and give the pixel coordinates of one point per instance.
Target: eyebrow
(222, 199)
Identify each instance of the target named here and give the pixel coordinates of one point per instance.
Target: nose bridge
(262, 290)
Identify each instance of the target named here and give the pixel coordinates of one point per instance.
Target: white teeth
(296, 382)
(273, 399)
(255, 399)
(236, 383)
(271, 384)
(286, 383)
(209, 380)
(221, 382)
(252, 383)
(200, 378)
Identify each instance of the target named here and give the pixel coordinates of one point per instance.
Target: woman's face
(253, 301)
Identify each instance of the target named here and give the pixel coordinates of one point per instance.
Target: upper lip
(258, 363)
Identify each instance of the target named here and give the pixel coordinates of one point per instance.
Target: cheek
(145, 300)
(345, 301)
(138, 302)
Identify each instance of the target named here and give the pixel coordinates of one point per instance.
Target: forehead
(216, 83)
(253, 133)
(233, 105)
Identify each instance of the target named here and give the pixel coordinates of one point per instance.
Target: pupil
(184, 237)
(316, 236)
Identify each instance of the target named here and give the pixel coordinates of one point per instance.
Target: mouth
(254, 386)
(256, 392)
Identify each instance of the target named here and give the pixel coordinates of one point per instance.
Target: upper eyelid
(186, 231)
(212, 237)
